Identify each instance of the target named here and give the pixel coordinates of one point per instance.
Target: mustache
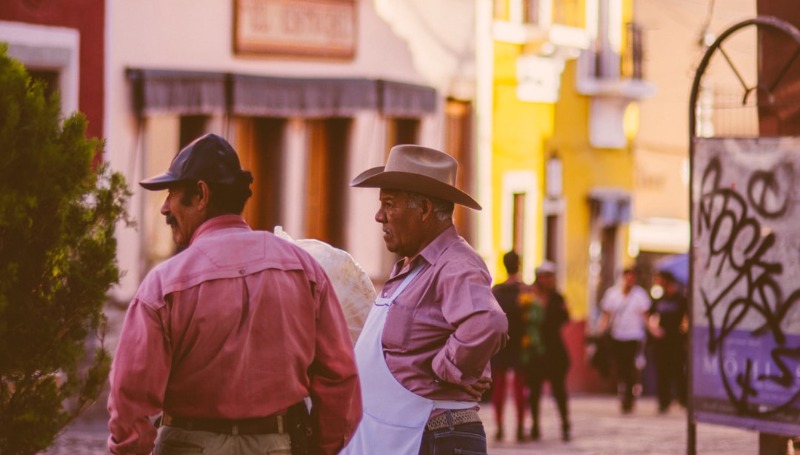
(171, 220)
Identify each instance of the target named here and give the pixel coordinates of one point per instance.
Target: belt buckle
(235, 429)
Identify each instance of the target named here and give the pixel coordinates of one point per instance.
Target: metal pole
(774, 444)
(769, 444)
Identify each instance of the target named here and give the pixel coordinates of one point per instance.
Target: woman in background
(507, 361)
(546, 355)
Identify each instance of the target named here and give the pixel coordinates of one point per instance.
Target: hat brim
(159, 182)
(407, 181)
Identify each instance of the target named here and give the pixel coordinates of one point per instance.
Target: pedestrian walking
(625, 309)
(423, 355)
(550, 362)
(507, 362)
(228, 337)
(669, 326)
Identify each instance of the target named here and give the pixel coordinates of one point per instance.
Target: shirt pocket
(397, 330)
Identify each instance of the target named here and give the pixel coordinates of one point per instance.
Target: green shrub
(58, 212)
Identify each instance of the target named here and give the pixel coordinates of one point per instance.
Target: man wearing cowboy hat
(423, 355)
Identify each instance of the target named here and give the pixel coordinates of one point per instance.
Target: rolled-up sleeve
(138, 379)
(335, 390)
(481, 326)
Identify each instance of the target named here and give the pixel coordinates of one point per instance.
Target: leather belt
(452, 417)
(257, 425)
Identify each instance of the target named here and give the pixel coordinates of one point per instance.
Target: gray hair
(441, 208)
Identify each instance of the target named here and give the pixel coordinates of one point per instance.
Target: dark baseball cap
(209, 158)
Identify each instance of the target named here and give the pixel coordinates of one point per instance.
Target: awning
(610, 206)
(193, 92)
(677, 265)
(406, 100)
(180, 92)
(661, 235)
(285, 97)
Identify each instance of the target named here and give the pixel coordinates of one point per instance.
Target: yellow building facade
(566, 78)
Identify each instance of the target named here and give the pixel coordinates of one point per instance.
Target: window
(50, 79)
(519, 11)
(501, 10)
(518, 226)
(551, 237)
(401, 131)
(531, 11)
(326, 185)
(260, 152)
(608, 259)
(518, 223)
(458, 144)
(192, 127)
(542, 13)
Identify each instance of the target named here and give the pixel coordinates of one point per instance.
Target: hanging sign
(746, 283)
(320, 28)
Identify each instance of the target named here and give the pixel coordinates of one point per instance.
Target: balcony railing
(542, 13)
(633, 57)
(607, 64)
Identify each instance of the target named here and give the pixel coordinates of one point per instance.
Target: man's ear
(203, 194)
(427, 208)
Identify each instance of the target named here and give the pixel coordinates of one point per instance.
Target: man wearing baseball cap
(228, 337)
(423, 354)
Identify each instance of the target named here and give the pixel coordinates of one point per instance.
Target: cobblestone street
(598, 429)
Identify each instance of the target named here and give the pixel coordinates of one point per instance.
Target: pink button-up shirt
(240, 324)
(446, 326)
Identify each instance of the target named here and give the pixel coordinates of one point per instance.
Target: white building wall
(197, 35)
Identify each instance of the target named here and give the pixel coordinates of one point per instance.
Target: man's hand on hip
(479, 387)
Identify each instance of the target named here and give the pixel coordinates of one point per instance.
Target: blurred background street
(599, 429)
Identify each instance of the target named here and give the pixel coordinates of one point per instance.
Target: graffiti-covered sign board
(746, 283)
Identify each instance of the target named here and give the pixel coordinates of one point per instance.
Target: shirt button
(241, 272)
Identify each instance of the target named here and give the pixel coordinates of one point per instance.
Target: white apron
(394, 418)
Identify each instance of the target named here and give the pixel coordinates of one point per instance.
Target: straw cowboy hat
(420, 170)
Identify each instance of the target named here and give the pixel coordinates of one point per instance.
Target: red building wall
(88, 17)
(775, 50)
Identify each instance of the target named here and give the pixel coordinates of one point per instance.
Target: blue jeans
(465, 439)
(177, 441)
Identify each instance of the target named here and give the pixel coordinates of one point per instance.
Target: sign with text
(746, 283)
(315, 28)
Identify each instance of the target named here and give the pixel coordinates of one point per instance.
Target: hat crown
(420, 170)
(425, 161)
(209, 158)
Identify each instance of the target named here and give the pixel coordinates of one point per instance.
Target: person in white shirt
(625, 309)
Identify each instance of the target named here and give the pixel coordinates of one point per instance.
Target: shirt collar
(218, 223)
(431, 252)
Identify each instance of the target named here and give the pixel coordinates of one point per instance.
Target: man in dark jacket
(668, 327)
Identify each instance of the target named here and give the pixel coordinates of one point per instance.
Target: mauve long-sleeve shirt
(446, 325)
(240, 324)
